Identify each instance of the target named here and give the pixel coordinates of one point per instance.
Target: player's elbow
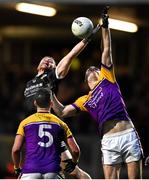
(107, 51)
(62, 72)
(74, 148)
(68, 111)
(15, 153)
(61, 114)
(15, 150)
(65, 113)
(59, 111)
(76, 154)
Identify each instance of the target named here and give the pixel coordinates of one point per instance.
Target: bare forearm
(106, 37)
(74, 149)
(75, 156)
(16, 157)
(57, 106)
(61, 110)
(78, 48)
(64, 65)
(107, 52)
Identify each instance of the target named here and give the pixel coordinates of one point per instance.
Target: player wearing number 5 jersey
(42, 134)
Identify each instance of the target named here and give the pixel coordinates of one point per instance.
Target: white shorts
(121, 147)
(39, 176)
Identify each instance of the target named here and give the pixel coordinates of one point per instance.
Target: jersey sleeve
(67, 131)
(52, 80)
(79, 103)
(20, 130)
(56, 74)
(108, 73)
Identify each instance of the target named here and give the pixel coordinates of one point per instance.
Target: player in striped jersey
(104, 102)
(42, 133)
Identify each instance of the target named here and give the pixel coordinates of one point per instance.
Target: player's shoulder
(108, 73)
(83, 98)
(57, 120)
(40, 117)
(32, 80)
(50, 71)
(49, 74)
(27, 120)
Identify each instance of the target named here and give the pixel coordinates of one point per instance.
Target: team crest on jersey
(95, 98)
(34, 80)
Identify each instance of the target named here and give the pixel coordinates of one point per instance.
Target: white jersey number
(43, 132)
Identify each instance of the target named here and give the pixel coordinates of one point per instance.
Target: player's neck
(40, 72)
(43, 110)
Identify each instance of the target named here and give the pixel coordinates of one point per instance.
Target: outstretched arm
(61, 110)
(106, 39)
(107, 51)
(64, 65)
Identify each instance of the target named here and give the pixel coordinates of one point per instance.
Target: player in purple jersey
(42, 134)
(104, 102)
(48, 76)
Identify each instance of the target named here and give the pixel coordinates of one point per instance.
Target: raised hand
(104, 16)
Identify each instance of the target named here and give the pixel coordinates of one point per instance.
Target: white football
(82, 27)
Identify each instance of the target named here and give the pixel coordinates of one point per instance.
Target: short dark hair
(43, 97)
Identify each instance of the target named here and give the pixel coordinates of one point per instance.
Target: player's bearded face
(46, 63)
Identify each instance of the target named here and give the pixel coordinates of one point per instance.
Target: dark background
(25, 39)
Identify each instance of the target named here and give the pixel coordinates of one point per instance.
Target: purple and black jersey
(105, 101)
(43, 133)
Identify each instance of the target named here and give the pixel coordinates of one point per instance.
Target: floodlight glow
(36, 9)
(122, 25)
